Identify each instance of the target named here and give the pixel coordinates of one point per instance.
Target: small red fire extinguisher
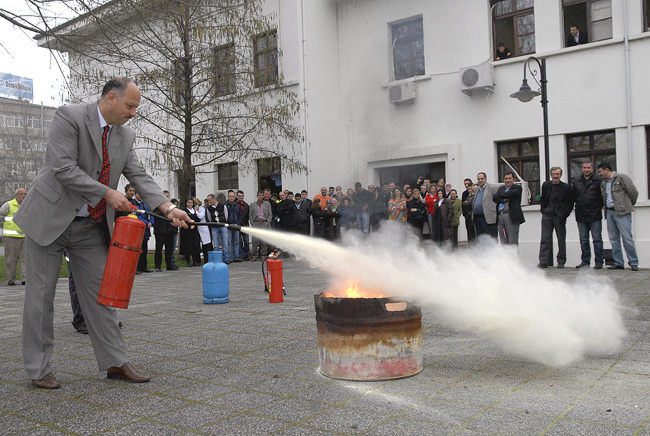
(122, 261)
(273, 283)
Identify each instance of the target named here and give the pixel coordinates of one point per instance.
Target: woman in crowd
(397, 206)
(204, 232)
(332, 221)
(457, 207)
(318, 215)
(377, 210)
(347, 218)
(417, 212)
(443, 216)
(423, 191)
(408, 193)
(447, 190)
(190, 241)
(430, 200)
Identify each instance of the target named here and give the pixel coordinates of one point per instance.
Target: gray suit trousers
(14, 253)
(86, 247)
(508, 231)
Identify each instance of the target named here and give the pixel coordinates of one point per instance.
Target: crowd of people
(431, 209)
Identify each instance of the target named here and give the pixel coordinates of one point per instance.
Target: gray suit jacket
(68, 180)
(489, 206)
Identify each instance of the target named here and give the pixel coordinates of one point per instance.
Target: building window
(180, 86)
(594, 147)
(408, 48)
(514, 25)
(269, 174)
(523, 156)
(224, 69)
(646, 15)
(228, 176)
(265, 53)
(591, 17)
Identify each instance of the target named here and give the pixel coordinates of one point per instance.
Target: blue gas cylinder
(216, 285)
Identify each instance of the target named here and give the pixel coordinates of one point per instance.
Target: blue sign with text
(16, 87)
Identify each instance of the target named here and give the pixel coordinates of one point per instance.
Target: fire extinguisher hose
(209, 224)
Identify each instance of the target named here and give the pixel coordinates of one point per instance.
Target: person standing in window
(503, 52)
(576, 37)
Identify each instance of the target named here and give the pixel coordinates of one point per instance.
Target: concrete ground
(251, 368)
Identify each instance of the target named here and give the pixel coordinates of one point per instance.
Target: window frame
(407, 41)
(271, 74)
(592, 153)
(228, 176)
(513, 15)
(225, 79)
(518, 162)
(590, 33)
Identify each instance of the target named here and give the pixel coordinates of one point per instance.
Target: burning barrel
(368, 338)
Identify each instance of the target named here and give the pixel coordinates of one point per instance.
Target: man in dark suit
(510, 216)
(576, 37)
(557, 203)
(70, 207)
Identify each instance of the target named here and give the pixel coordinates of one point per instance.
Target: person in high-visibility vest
(13, 238)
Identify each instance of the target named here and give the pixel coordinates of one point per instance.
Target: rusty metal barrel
(368, 339)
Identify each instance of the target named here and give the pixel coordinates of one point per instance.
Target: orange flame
(353, 291)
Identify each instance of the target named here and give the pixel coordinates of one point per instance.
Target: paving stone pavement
(251, 368)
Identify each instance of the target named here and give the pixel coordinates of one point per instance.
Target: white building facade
(382, 92)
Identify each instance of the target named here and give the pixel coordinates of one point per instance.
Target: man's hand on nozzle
(179, 218)
(117, 201)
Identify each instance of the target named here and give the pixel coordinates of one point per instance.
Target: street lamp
(525, 94)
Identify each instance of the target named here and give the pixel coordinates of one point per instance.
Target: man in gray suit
(483, 208)
(70, 207)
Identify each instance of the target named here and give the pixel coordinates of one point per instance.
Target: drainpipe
(304, 90)
(628, 90)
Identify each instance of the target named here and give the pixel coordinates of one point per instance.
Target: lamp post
(525, 94)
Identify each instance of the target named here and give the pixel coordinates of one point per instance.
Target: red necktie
(98, 211)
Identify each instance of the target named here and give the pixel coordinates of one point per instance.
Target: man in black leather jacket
(557, 204)
(589, 215)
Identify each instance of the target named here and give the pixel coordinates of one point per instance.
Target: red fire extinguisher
(273, 283)
(122, 261)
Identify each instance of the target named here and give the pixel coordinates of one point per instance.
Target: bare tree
(22, 144)
(208, 70)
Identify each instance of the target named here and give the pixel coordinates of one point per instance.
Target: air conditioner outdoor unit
(477, 79)
(401, 93)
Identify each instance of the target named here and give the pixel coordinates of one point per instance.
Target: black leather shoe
(583, 264)
(634, 267)
(128, 373)
(47, 382)
(598, 266)
(158, 269)
(615, 266)
(147, 270)
(23, 282)
(541, 265)
(560, 265)
(11, 283)
(138, 272)
(119, 324)
(82, 328)
(172, 268)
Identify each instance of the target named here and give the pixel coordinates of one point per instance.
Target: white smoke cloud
(485, 290)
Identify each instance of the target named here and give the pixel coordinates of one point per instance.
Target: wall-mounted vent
(401, 93)
(477, 78)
